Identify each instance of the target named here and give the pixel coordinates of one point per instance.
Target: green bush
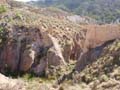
(2, 9)
(1, 29)
(1, 34)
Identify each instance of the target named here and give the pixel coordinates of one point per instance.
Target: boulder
(40, 68)
(3, 1)
(10, 84)
(27, 60)
(67, 51)
(54, 54)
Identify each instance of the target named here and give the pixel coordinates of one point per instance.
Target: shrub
(2, 9)
(18, 15)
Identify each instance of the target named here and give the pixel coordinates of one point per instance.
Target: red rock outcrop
(96, 36)
(27, 47)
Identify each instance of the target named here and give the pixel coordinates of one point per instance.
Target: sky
(25, 0)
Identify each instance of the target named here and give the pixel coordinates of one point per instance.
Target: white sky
(25, 0)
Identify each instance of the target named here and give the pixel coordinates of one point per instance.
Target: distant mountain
(102, 10)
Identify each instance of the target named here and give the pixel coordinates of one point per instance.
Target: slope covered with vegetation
(102, 10)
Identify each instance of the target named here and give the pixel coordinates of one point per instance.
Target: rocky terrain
(41, 49)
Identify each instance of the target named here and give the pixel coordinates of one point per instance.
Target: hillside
(105, 11)
(41, 49)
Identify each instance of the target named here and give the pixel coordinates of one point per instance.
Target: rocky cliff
(35, 43)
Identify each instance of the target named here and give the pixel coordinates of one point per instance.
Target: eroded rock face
(26, 49)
